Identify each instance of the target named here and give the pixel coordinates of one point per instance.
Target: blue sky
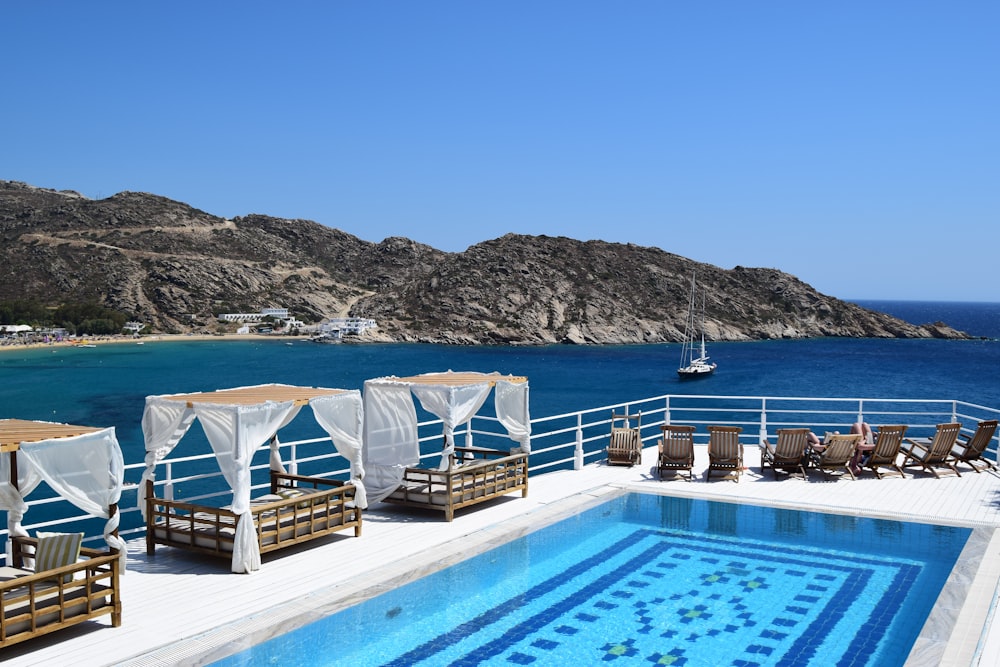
(853, 144)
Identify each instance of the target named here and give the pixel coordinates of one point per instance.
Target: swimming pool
(646, 579)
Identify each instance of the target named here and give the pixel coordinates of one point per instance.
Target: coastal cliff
(165, 263)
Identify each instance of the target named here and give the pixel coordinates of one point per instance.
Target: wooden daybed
(35, 603)
(491, 473)
(326, 506)
(467, 475)
(297, 508)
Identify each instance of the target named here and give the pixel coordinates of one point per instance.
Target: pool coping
(953, 634)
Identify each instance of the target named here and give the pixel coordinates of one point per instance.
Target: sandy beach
(14, 345)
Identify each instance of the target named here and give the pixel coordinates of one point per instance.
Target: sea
(107, 385)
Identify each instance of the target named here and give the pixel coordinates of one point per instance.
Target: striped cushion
(57, 550)
(289, 493)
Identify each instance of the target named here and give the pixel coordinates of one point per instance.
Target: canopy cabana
(237, 422)
(82, 464)
(391, 440)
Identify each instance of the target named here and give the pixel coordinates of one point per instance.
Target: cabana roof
(15, 431)
(453, 379)
(255, 395)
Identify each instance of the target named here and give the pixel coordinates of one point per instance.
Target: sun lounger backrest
(678, 441)
(840, 447)
(791, 443)
(724, 443)
(980, 440)
(944, 438)
(888, 442)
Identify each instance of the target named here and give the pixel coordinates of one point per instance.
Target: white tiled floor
(180, 609)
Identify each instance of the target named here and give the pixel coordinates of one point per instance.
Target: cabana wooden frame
(33, 603)
(324, 506)
(472, 475)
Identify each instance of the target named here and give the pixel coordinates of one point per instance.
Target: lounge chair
(625, 447)
(788, 453)
(676, 450)
(970, 450)
(725, 451)
(837, 453)
(933, 453)
(885, 451)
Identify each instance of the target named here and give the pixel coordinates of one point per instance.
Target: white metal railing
(560, 442)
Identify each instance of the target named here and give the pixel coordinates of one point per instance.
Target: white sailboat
(694, 358)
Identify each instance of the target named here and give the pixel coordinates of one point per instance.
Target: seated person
(867, 438)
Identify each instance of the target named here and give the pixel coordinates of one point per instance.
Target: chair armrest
(920, 443)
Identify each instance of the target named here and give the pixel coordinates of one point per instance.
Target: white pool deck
(185, 609)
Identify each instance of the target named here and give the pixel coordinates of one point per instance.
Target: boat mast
(702, 327)
(687, 348)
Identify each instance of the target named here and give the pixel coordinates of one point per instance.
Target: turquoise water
(655, 580)
(107, 385)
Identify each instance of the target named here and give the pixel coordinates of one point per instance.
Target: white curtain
(390, 441)
(164, 423)
(12, 498)
(235, 432)
(342, 417)
(452, 405)
(275, 457)
(86, 470)
(512, 411)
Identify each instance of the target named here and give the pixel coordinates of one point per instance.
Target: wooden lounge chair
(885, 451)
(625, 447)
(970, 450)
(837, 453)
(676, 450)
(788, 453)
(725, 451)
(933, 453)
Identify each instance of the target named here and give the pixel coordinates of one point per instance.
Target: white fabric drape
(390, 441)
(164, 423)
(87, 470)
(342, 417)
(454, 406)
(275, 462)
(12, 499)
(235, 432)
(512, 410)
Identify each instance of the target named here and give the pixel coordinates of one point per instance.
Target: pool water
(655, 580)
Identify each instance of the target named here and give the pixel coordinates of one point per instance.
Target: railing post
(763, 419)
(168, 483)
(666, 411)
(293, 464)
(468, 433)
(861, 411)
(578, 453)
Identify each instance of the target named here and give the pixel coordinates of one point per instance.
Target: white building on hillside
(274, 313)
(352, 326)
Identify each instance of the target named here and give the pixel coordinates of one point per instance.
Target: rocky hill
(168, 264)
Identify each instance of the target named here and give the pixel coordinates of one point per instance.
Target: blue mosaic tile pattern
(668, 598)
